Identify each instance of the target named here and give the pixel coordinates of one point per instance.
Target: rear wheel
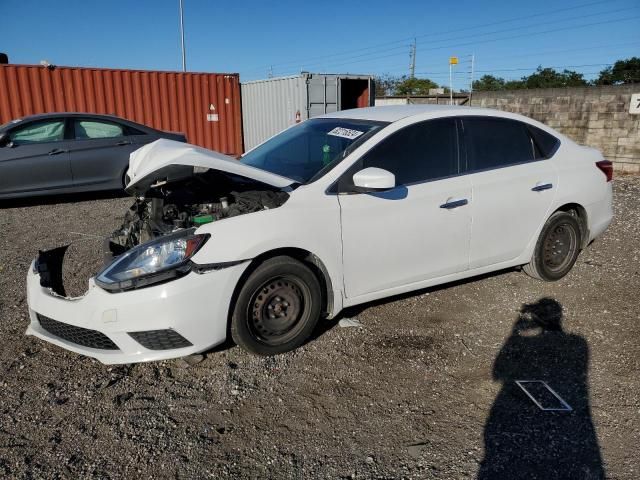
(557, 248)
(277, 308)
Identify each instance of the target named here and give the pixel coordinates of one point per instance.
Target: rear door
(148, 135)
(36, 159)
(100, 153)
(322, 94)
(417, 231)
(513, 188)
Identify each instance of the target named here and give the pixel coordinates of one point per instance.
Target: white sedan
(342, 209)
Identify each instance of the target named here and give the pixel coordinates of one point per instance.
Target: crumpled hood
(151, 163)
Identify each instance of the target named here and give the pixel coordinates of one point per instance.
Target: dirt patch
(82, 260)
(423, 390)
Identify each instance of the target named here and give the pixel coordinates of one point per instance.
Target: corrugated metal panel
(173, 101)
(270, 106)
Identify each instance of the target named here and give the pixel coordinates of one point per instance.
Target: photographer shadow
(522, 441)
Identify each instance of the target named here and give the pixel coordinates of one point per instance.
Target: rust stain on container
(174, 101)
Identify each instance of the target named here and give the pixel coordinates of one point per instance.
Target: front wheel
(557, 248)
(277, 308)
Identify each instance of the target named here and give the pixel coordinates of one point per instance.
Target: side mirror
(374, 179)
(5, 139)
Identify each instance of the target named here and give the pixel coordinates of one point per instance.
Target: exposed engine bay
(198, 199)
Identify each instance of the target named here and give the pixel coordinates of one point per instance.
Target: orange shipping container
(204, 106)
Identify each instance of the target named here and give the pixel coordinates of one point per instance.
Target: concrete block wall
(595, 116)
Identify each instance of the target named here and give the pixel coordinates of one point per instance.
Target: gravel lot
(424, 389)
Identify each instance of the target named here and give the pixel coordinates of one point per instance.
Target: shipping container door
(354, 93)
(322, 95)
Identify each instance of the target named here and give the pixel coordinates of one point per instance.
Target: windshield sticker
(345, 133)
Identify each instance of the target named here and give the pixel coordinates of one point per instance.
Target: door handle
(454, 204)
(57, 151)
(544, 186)
(123, 142)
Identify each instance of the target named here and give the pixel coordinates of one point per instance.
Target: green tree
(623, 71)
(488, 83)
(386, 85)
(541, 78)
(550, 78)
(414, 86)
(514, 85)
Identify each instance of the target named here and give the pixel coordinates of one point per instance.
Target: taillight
(606, 167)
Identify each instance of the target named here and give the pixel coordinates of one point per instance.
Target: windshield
(301, 152)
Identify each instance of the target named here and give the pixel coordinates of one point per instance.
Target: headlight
(152, 262)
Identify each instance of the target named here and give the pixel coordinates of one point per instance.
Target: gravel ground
(424, 389)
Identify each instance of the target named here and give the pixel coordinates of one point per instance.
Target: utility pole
(270, 74)
(473, 57)
(184, 60)
(450, 84)
(452, 61)
(412, 55)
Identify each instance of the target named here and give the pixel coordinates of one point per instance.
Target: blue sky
(508, 38)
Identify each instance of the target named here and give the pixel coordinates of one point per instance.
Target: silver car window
(88, 129)
(39, 132)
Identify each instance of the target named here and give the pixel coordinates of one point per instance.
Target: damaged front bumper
(169, 320)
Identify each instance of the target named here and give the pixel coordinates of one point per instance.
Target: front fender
(313, 227)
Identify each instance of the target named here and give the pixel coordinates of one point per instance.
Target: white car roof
(393, 113)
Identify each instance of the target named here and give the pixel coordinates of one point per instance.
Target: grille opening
(160, 339)
(78, 335)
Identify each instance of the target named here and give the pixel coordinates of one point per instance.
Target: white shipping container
(272, 105)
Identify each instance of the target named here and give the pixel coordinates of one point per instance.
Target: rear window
(92, 129)
(496, 142)
(545, 144)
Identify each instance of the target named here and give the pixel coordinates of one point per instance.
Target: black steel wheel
(557, 248)
(277, 308)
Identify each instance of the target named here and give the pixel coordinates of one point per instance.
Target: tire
(557, 248)
(278, 307)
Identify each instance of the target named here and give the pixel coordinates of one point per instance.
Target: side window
(419, 152)
(545, 144)
(133, 131)
(92, 129)
(38, 132)
(496, 142)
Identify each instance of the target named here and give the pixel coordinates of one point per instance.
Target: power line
(546, 13)
(528, 68)
(533, 54)
(476, 42)
(573, 27)
(473, 43)
(508, 20)
(389, 69)
(562, 20)
(443, 75)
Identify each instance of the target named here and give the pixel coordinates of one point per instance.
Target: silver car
(69, 152)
